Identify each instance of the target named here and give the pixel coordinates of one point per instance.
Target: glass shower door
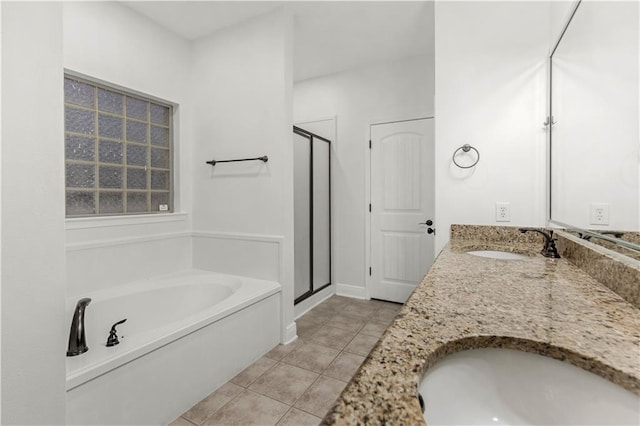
(312, 214)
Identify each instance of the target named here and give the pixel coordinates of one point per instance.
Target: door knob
(429, 222)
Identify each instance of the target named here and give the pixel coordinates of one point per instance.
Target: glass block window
(118, 151)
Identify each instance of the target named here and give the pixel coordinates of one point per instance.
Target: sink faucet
(549, 249)
(77, 338)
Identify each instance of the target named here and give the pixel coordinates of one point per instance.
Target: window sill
(107, 221)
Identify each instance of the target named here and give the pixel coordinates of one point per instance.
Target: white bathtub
(185, 335)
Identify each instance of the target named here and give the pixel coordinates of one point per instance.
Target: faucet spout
(549, 249)
(77, 338)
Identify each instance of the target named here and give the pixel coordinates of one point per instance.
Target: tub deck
(154, 375)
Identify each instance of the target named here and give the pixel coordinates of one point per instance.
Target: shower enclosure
(312, 213)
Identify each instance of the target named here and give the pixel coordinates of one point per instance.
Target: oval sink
(510, 387)
(493, 254)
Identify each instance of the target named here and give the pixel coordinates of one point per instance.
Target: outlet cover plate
(503, 211)
(599, 214)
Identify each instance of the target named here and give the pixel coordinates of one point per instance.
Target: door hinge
(369, 207)
(369, 143)
(369, 270)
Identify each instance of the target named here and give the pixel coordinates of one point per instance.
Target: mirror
(594, 140)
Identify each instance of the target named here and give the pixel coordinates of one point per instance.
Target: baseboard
(356, 292)
(290, 334)
(312, 301)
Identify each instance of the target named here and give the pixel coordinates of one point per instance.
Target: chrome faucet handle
(112, 340)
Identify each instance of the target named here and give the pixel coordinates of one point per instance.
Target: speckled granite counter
(546, 306)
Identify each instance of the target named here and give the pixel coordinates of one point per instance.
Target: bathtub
(186, 334)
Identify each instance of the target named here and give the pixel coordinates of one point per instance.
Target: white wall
(110, 42)
(491, 60)
(242, 84)
(560, 11)
(34, 333)
(359, 98)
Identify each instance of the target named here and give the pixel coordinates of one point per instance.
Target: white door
(402, 204)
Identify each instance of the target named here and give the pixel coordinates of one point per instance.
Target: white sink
(509, 387)
(493, 254)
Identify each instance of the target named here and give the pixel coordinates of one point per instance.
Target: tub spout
(77, 338)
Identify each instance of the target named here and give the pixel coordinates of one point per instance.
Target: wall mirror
(594, 124)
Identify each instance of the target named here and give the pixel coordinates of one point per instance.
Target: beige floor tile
(345, 322)
(295, 417)
(249, 408)
(252, 372)
(317, 315)
(284, 382)
(390, 307)
(344, 366)
(306, 321)
(369, 304)
(281, 351)
(180, 422)
(311, 356)
(373, 329)
(335, 303)
(329, 327)
(306, 330)
(359, 311)
(384, 317)
(203, 409)
(332, 337)
(324, 309)
(393, 307)
(385, 322)
(361, 344)
(378, 303)
(319, 398)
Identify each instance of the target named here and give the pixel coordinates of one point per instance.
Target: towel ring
(466, 148)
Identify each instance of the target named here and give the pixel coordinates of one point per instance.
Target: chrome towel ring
(466, 148)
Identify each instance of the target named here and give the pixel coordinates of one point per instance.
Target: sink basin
(493, 254)
(509, 387)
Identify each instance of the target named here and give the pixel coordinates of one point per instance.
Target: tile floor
(296, 384)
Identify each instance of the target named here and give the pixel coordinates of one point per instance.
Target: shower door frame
(311, 137)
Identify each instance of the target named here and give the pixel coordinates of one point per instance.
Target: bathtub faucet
(112, 340)
(77, 338)
(549, 249)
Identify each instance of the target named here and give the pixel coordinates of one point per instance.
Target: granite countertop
(540, 305)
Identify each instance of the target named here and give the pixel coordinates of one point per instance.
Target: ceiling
(329, 36)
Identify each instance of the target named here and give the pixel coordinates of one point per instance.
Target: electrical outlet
(599, 214)
(503, 211)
